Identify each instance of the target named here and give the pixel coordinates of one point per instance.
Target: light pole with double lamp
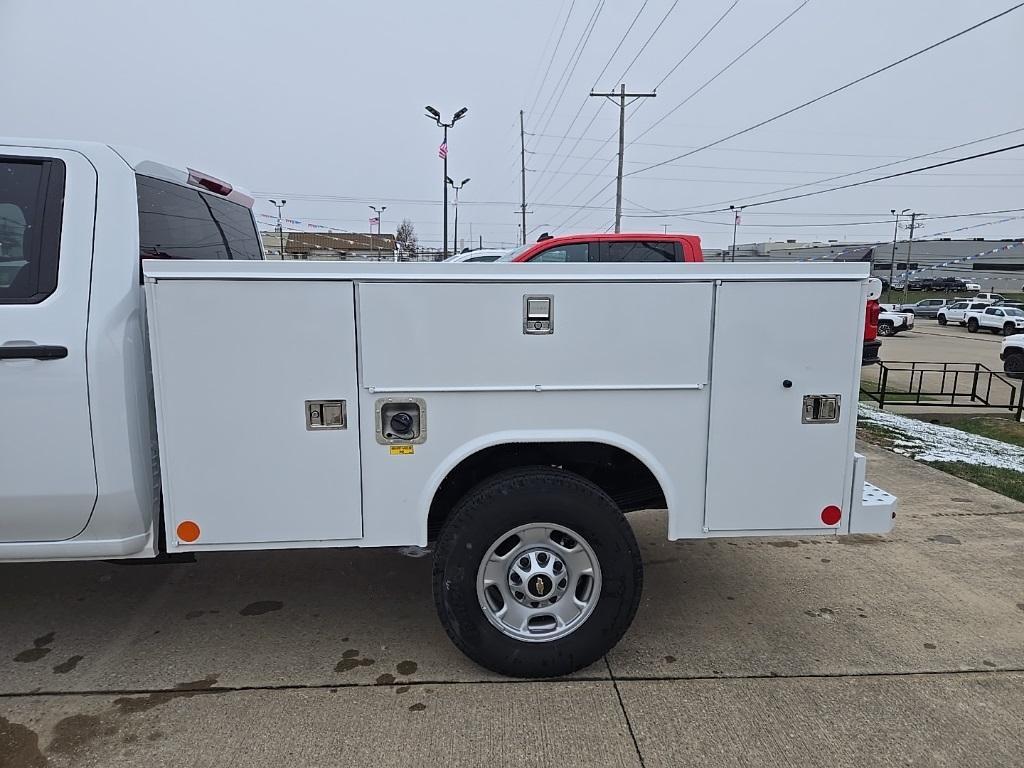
(280, 223)
(442, 152)
(457, 187)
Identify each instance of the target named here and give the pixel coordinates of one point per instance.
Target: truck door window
(177, 222)
(639, 250)
(31, 206)
(561, 254)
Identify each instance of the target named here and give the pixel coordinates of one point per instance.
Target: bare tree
(406, 236)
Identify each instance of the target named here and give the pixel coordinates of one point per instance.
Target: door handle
(33, 352)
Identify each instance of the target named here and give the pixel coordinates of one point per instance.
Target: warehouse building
(996, 265)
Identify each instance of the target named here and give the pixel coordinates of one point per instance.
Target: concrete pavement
(864, 651)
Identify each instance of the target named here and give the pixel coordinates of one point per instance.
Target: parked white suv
(1012, 355)
(991, 298)
(1005, 320)
(955, 313)
(890, 323)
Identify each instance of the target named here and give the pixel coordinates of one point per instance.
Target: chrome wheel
(538, 582)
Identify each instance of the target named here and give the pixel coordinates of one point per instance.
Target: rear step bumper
(872, 510)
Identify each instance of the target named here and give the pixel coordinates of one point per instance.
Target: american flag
(375, 220)
(442, 151)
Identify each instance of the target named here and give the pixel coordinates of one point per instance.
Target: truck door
(772, 465)
(47, 473)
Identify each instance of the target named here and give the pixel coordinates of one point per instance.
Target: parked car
(950, 284)
(891, 323)
(954, 313)
(925, 307)
(1007, 320)
(972, 287)
(1012, 355)
(479, 255)
(991, 298)
(921, 284)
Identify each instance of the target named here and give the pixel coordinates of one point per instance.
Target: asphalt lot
(932, 342)
(905, 649)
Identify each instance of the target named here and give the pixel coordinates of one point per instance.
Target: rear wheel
(885, 328)
(536, 573)
(942, 319)
(972, 325)
(1009, 329)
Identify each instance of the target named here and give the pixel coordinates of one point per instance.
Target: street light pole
(892, 260)
(735, 223)
(910, 246)
(456, 187)
(434, 115)
(379, 216)
(280, 224)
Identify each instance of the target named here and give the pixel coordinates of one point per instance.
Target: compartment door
(235, 363)
(767, 469)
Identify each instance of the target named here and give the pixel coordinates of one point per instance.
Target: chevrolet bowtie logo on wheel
(539, 587)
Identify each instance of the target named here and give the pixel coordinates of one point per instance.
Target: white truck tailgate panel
(466, 335)
(234, 363)
(766, 469)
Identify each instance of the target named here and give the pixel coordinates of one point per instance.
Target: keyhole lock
(786, 383)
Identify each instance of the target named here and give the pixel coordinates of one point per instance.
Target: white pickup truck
(892, 321)
(153, 404)
(1004, 320)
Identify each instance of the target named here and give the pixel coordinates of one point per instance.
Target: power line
(855, 183)
(834, 91)
(724, 69)
(554, 52)
(648, 41)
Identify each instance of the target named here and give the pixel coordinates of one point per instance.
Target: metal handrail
(980, 374)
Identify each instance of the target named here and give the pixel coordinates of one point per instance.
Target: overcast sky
(322, 103)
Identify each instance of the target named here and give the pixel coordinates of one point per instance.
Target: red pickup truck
(630, 247)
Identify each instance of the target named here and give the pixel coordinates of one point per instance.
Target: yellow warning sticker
(402, 450)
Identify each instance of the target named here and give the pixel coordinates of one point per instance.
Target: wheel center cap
(539, 585)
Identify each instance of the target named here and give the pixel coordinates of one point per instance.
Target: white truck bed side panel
(463, 335)
(766, 469)
(626, 365)
(234, 363)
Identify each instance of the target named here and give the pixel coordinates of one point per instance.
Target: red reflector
(830, 515)
(197, 179)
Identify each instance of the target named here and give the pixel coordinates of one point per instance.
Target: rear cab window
(563, 254)
(31, 209)
(657, 251)
(178, 222)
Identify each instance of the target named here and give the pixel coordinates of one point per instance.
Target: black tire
(1009, 329)
(942, 319)
(503, 503)
(972, 325)
(885, 328)
(1014, 364)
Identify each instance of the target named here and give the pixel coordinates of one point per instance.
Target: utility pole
(892, 260)
(280, 224)
(442, 152)
(522, 165)
(622, 96)
(910, 246)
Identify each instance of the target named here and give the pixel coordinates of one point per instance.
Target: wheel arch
(630, 474)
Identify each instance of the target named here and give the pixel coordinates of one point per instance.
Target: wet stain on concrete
(19, 745)
(401, 689)
(1020, 606)
(38, 650)
(944, 538)
(406, 667)
(960, 500)
(261, 606)
(988, 663)
(417, 707)
(197, 614)
(74, 733)
(670, 659)
(930, 646)
(130, 705)
(350, 660)
(783, 543)
(862, 615)
(386, 679)
(825, 560)
(663, 561)
(155, 736)
(821, 613)
(67, 666)
(857, 539)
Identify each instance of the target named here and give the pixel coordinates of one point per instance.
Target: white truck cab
(511, 415)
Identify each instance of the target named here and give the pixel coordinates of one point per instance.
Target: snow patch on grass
(934, 442)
